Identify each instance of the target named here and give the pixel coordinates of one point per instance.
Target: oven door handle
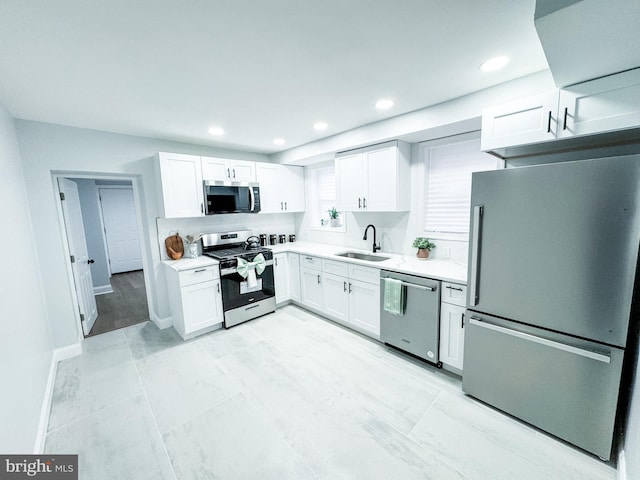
(230, 271)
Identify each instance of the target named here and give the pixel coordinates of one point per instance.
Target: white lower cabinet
(196, 300)
(311, 282)
(452, 325)
(352, 295)
(281, 277)
(293, 261)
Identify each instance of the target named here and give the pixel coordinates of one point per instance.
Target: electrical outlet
(447, 253)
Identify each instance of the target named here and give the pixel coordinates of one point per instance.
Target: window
(448, 184)
(322, 180)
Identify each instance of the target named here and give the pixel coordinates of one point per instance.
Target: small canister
(283, 238)
(263, 239)
(273, 239)
(292, 238)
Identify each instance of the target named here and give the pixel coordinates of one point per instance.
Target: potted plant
(424, 246)
(334, 217)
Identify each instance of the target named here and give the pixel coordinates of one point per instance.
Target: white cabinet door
(241, 170)
(602, 105)
(451, 335)
(268, 177)
(293, 260)
(311, 283)
(349, 182)
(281, 277)
(226, 169)
(381, 176)
(201, 303)
(292, 189)
(528, 120)
(364, 306)
(182, 190)
(336, 294)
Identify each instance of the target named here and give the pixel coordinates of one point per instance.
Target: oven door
(236, 291)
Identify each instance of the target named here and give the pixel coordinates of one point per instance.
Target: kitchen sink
(362, 256)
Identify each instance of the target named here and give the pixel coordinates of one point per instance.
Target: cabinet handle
(308, 258)
(234, 173)
(218, 287)
(276, 260)
(201, 207)
(359, 203)
(200, 270)
(281, 206)
(364, 202)
(318, 279)
(566, 111)
(549, 123)
(349, 287)
(453, 288)
(345, 287)
(462, 321)
(228, 173)
(285, 205)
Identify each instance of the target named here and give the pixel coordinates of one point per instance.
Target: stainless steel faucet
(375, 247)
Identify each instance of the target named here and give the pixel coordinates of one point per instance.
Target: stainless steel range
(246, 273)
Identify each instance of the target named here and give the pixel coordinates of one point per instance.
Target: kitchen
(49, 147)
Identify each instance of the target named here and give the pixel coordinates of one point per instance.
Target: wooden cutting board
(175, 247)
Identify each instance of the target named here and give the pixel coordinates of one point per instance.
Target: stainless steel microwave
(231, 197)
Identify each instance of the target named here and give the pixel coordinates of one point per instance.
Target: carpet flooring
(127, 305)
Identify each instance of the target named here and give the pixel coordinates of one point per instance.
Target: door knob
(91, 261)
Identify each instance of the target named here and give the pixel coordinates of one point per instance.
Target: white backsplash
(269, 223)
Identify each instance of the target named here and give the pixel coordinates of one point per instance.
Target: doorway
(107, 222)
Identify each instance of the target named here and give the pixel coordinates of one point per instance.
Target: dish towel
(393, 296)
(248, 270)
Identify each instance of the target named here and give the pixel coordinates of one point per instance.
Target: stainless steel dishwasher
(417, 329)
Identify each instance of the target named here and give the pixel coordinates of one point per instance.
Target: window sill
(457, 237)
(341, 229)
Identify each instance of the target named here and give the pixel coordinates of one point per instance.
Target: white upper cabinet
(528, 120)
(181, 179)
(374, 179)
(601, 106)
(225, 169)
(281, 188)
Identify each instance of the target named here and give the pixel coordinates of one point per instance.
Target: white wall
(25, 343)
(47, 148)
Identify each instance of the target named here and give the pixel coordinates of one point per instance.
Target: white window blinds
(324, 192)
(448, 184)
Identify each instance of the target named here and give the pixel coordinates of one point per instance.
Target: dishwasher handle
(430, 288)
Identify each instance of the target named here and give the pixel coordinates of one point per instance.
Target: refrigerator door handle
(475, 255)
(543, 341)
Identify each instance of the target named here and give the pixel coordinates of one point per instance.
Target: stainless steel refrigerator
(552, 266)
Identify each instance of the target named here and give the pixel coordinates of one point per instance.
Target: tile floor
(288, 395)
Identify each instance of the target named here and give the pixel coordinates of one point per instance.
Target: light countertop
(437, 269)
(189, 263)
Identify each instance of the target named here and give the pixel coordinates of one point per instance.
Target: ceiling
(258, 69)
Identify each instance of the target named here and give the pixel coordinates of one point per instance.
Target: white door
(294, 276)
(182, 190)
(311, 288)
(381, 174)
(281, 277)
(349, 183)
(215, 169)
(267, 175)
(364, 301)
(336, 292)
(78, 249)
(121, 229)
(451, 334)
(242, 170)
(292, 188)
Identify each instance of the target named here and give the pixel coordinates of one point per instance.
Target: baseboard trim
(102, 289)
(622, 466)
(57, 355)
(161, 323)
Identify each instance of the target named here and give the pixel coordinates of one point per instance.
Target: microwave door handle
(252, 200)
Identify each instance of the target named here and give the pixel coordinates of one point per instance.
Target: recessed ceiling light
(216, 131)
(320, 125)
(384, 103)
(279, 141)
(494, 64)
